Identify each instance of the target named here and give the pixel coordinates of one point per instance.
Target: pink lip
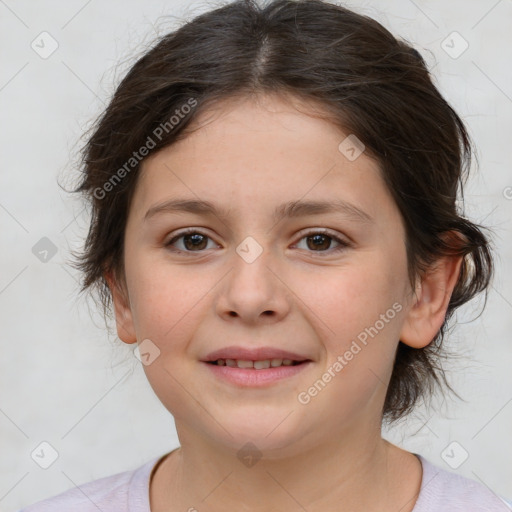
(250, 377)
(253, 354)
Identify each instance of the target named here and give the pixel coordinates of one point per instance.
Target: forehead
(259, 152)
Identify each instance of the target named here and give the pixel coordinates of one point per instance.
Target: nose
(254, 291)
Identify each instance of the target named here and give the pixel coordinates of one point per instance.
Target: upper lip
(253, 354)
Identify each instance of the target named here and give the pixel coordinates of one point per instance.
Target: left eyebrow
(291, 209)
(304, 208)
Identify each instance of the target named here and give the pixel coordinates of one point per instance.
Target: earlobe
(122, 310)
(428, 311)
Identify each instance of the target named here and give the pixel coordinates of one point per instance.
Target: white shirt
(441, 491)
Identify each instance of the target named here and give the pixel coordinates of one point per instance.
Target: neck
(355, 472)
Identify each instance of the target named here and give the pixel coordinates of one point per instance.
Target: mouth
(254, 367)
(262, 364)
(255, 357)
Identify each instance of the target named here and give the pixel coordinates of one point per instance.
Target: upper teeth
(258, 365)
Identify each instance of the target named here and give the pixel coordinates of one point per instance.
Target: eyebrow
(291, 209)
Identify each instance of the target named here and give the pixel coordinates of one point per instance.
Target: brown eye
(192, 241)
(319, 242)
(322, 242)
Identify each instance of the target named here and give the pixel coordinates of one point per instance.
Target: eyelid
(188, 231)
(343, 241)
(324, 231)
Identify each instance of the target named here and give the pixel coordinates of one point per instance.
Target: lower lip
(254, 378)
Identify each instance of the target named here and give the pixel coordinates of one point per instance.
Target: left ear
(433, 294)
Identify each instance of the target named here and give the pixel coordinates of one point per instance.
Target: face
(328, 285)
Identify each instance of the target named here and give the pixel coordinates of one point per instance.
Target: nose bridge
(252, 290)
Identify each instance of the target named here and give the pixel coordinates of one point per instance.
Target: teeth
(257, 365)
(260, 365)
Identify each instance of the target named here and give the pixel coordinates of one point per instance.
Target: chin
(268, 434)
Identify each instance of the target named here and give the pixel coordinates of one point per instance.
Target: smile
(254, 374)
(257, 365)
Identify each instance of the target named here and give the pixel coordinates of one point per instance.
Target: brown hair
(369, 83)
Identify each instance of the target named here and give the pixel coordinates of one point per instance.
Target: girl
(275, 224)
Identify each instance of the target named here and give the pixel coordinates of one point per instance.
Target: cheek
(167, 311)
(359, 304)
(166, 300)
(357, 319)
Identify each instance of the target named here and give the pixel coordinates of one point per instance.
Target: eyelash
(343, 244)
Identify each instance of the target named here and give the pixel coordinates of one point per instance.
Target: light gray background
(63, 380)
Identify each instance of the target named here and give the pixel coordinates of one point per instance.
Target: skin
(249, 156)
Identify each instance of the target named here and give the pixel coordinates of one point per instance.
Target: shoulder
(443, 491)
(123, 491)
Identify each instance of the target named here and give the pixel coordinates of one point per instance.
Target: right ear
(124, 318)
